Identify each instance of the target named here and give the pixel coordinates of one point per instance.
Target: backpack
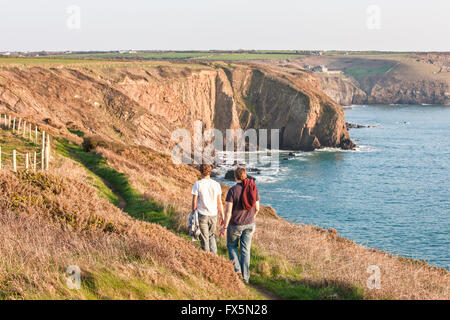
(194, 226)
(249, 193)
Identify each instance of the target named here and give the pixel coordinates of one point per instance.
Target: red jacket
(249, 194)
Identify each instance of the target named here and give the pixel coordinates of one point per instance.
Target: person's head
(205, 170)
(240, 174)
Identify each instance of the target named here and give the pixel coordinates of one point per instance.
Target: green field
(363, 72)
(169, 55)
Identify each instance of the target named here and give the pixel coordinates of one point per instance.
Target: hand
(223, 230)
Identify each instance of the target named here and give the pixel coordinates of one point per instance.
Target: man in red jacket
(239, 223)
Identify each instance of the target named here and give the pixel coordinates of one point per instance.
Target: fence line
(20, 129)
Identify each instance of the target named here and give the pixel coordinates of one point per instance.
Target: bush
(92, 142)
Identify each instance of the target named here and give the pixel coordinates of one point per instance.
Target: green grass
(10, 141)
(363, 72)
(172, 55)
(76, 132)
(285, 280)
(136, 205)
(251, 56)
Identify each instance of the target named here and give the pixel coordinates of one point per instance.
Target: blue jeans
(242, 236)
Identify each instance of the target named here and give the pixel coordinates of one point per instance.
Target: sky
(82, 25)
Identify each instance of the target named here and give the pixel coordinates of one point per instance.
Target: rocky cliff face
(144, 104)
(342, 90)
(410, 92)
(386, 90)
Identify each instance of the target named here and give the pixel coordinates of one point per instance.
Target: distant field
(197, 55)
(42, 60)
(204, 56)
(91, 62)
(363, 72)
(140, 55)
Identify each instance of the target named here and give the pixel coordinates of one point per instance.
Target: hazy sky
(422, 25)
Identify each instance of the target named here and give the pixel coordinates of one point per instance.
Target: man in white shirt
(206, 198)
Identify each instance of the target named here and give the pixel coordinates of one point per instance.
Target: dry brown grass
(48, 223)
(325, 257)
(154, 175)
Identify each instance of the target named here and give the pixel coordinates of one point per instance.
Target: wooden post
(47, 153)
(14, 124)
(43, 140)
(27, 161)
(14, 161)
(42, 159)
(36, 134)
(24, 128)
(30, 132)
(34, 162)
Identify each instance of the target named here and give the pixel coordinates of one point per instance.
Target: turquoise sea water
(392, 193)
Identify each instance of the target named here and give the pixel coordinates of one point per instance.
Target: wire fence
(38, 159)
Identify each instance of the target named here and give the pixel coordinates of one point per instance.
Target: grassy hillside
(50, 221)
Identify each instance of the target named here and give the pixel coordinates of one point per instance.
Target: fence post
(24, 128)
(36, 134)
(42, 159)
(30, 133)
(27, 161)
(14, 124)
(34, 162)
(47, 153)
(14, 161)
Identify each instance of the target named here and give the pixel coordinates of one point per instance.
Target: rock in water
(347, 144)
(229, 175)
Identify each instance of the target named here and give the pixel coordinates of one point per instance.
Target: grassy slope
(136, 205)
(59, 221)
(277, 276)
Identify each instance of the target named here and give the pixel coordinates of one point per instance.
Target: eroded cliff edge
(143, 104)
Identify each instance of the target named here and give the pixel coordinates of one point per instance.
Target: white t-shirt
(207, 191)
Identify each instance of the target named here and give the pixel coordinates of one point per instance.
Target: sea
(391, 193)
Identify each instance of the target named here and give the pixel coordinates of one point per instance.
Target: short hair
(240, 174)
(205, 170)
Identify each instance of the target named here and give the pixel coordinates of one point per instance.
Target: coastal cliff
(382, 78)
(342, 90)
(143, 104)
(386, 91)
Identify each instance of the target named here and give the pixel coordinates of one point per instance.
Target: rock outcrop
(394, 91)
(143, 104)
(342, 90)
